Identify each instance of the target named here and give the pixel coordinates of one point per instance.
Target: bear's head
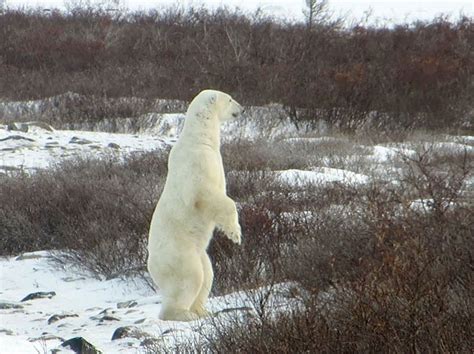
(212, 104)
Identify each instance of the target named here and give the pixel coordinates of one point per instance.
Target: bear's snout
(239, 112)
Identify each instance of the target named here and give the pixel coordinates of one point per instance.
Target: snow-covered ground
(83, 306)
(78, 305)
(320, 176)
(41, 146)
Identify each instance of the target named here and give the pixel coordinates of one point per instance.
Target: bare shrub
(255, 261)
(378, 274)
(413, 75)
(96, 210)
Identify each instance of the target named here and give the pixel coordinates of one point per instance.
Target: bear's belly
(191, 229)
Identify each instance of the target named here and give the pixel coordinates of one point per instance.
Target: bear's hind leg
(199, 305)
(171, 313)
(181, 288)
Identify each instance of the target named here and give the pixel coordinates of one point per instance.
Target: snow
(39, 148)
(321, 175)
(428, 205)
(452, 147)
(383, 154)
(312, 140)
(87, 300)
(18, 344)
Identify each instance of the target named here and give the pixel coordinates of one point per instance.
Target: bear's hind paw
(202, 312)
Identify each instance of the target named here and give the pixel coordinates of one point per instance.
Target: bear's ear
(212, 98)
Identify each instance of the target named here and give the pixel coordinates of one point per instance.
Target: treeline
(410, 75)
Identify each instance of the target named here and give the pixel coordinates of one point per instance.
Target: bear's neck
(203, 131)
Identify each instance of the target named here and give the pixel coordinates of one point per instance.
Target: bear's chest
(220, 173)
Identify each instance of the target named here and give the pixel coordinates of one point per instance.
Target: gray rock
(109, 318)
(124, 332)
(22, 257)
(113, 146)
(105, 315)
(170, 330)
(24, 127)
(41, 125)
(39, 295)
(51, 145)
(129, 332)
(8, 332)
(45, 337)
(151, 342)
(9, 306)
(56, 318)
(71, 279)
(80, 346)
(21, 127)
(80, 141)
(125, 304)
(16, 137)
(234, 309)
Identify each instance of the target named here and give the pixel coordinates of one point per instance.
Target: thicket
(410, 75)
(394, 257)
(97, 210)
(374, 272)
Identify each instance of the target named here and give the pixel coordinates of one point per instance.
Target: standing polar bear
(192, 205)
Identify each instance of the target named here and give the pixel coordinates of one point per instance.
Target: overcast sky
(395, 10)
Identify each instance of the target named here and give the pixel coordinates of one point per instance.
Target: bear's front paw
(235, 234)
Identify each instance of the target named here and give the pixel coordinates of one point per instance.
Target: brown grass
(373, 273)
(96, 210)
(414, 75)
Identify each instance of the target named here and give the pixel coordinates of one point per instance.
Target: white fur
(192, 205)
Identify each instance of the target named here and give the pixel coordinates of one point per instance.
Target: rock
(31, 255)
(131, 311)
(129, 332)
(46, 337)
(234, 309)
(71, 279)
(25, 127)
(16, 137)
(80, 346)
(51, 145)
(125, 304)
(109, 318)
(39, 295)
(113, 146)
(105, 315)
(9, 306)
(170, 330)
(80, 141)
(8, 332)
(151, 342)
(41, 125)
(22, 127)
(56, 318)
(123, 332)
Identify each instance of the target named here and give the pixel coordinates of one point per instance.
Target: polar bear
(192, 205)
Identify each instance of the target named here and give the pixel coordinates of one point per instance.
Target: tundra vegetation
(381, 266)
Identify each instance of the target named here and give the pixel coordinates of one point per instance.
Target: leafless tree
(316, 12)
